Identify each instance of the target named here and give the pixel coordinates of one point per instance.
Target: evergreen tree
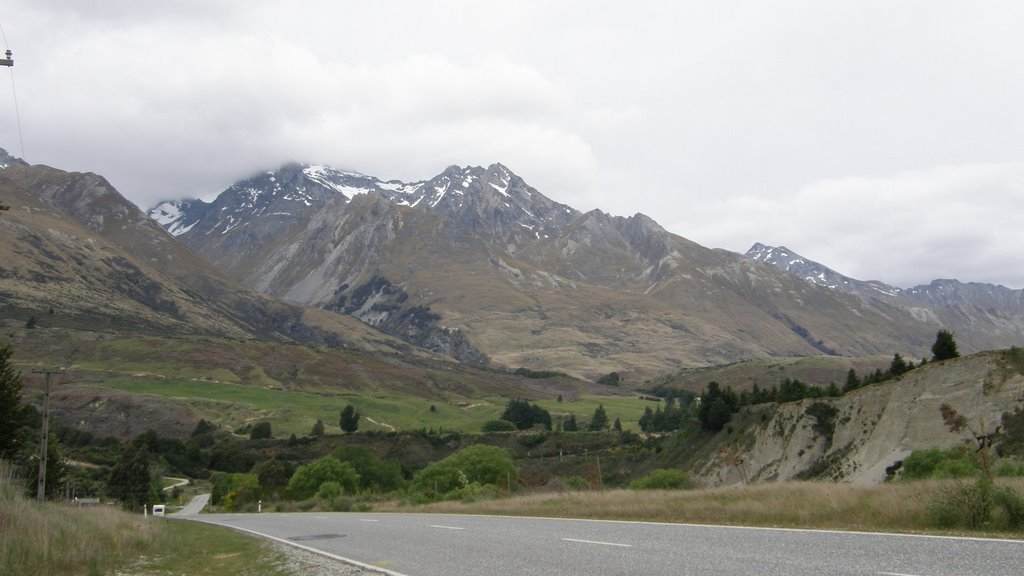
(260, 430)
(718, 414)
(646, 420)
(349, 421)
(717, 405)
(898, 366)
(852, 381)
(525, 415)
(793, 389)
(617, 425)
(56, 471)
(945, 346)
(571, 425)
(599, 421)
(13, 415)
(318, 428)
(129, 478)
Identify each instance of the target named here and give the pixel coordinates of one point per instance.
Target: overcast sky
(884, 139)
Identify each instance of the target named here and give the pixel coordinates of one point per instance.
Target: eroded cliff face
(872, 428)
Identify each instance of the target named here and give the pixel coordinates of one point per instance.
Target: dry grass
(893, 507)
(54, 539)
(58, 540)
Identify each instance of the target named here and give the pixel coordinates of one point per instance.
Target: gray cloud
(883, 139)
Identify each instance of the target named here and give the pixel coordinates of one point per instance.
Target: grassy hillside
(768, 372)
(169, 383)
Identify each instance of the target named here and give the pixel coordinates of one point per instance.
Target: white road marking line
(894, 574)
(368, 520)
(369, 567)
(599, 543)
(446, 527)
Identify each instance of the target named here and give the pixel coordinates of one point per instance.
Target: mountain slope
(985, 315)
(75, 253)
(873, 427)
(476, 263)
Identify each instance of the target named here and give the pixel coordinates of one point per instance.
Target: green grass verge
(197, 549)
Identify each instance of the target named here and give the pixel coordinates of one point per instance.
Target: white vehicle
(158, 509)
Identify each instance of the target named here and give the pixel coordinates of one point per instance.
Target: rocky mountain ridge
(77, 254)
(981, 313)
(474, 259)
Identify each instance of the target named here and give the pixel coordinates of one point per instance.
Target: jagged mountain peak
(788, 260)
(8, 159)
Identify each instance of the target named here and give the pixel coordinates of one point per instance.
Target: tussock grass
(54, 539)
(58, 540)
(891, 507)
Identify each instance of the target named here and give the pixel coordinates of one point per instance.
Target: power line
(9, 62)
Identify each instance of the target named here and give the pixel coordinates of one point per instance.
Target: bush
(375, 474)
(260, 430)
(937, 463)
(498, 426)
(525, 415)
(577, 483)
(1012, 505)
(482, 464)
(663, 479)
(963, 504)
(1009, 469)
(308, 479)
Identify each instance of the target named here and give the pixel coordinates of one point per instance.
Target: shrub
(963, 504)
(577, 482)
(330, 489)
(308, 479)
(260, 430)
(1010, 469)
(525, 415)
(663, 479)
(1012, 505)
(938, 463)
(531, 440)
(478, 463)
(375, 474)
(498, 426)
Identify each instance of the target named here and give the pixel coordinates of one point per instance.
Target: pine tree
(349, 421)
(852, 381)
(129, 478)
(945, 346)
(599, 421)
(56, 470)
(318, 428)
(571, 425)
(898, 365)
(13, 415)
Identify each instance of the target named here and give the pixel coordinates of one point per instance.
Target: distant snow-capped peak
(789, 261)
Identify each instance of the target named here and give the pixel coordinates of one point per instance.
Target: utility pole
(44, 438)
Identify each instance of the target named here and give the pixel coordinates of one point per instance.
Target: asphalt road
(444, 545)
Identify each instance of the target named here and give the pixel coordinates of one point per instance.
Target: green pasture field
(295, 411)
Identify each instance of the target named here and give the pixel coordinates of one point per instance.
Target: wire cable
(14, 92)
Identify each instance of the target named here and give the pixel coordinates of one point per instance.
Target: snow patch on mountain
(166, 213)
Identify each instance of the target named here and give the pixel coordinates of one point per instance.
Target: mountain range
(476, 264)
(76, 254)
